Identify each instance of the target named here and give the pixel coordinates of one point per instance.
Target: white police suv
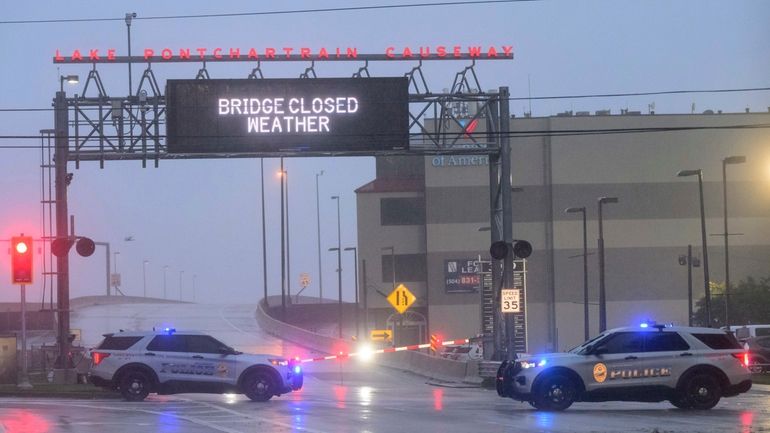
(690, 367)
(170, 362)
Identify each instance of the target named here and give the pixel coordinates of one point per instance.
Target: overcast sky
(202, 217)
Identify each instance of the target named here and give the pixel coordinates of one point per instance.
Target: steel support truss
(104, 128)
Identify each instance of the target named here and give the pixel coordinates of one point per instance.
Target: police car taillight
(98, 357)
(743, 357)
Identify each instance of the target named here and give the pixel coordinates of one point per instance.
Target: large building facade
(422, 214)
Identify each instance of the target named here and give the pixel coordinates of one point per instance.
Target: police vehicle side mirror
(598, 350)
(224, 350)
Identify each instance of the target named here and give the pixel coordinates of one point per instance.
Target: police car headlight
(533, 364)
(278, 361)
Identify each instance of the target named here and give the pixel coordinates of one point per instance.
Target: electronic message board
(287, 115)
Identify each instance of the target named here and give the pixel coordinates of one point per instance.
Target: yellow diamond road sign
(401, 298)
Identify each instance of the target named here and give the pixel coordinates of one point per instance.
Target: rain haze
(197, 222)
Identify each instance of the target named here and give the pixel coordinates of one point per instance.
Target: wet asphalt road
(345, 396)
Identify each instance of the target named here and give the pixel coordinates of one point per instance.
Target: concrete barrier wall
(319, 343)
(412, 361)
(87, 301)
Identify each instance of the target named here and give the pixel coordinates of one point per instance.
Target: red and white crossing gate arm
(386, 350)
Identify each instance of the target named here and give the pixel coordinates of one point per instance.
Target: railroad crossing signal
(401, 298)
(381, 335)
(21, 260)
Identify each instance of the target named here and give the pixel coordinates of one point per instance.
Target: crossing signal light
(21, 260)
(84, 246)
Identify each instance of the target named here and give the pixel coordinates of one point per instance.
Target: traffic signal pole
(505, 188)
(24, 382)
(62, 262)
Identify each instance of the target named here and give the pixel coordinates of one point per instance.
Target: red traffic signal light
(21, 260)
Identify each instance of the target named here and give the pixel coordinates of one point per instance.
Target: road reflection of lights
(747, 421)
(365, 395)
(169, 423)
(22, 421)
(230, 398)
(340, 392)
(438, 399)
(544, 419)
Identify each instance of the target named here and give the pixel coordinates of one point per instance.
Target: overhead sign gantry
(258, 117)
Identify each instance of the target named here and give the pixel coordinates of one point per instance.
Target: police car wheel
(556, 392)
(134, 385)
(702, 391)
(258, 386)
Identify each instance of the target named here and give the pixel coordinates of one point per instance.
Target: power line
(513, 134)
(279, 12)
(663, 92)
(524, 98)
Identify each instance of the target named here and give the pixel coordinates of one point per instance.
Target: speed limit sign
(510, 300)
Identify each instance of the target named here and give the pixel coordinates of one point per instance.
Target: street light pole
(288, 239)
(165, 268)
(144, 276)
(180, 284)
(602, 291)
(355, 273)
(115, 264)
(129, 17)
(264, 239)
(582, 210)
(318, 227)
(283, 252)
(706, 287)
(339, 261)
(736, 159)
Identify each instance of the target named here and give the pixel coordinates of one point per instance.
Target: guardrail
(488, 369)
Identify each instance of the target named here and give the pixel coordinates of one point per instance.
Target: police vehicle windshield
(583, 348)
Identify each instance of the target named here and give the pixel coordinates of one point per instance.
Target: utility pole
(61, 125)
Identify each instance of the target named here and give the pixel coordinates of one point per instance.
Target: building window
(409, 267)
(402, 211)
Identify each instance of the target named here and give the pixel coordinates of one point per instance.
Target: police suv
(690, 367)
(167, 362)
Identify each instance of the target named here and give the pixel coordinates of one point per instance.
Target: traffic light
(21, 260)
(521, 249)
